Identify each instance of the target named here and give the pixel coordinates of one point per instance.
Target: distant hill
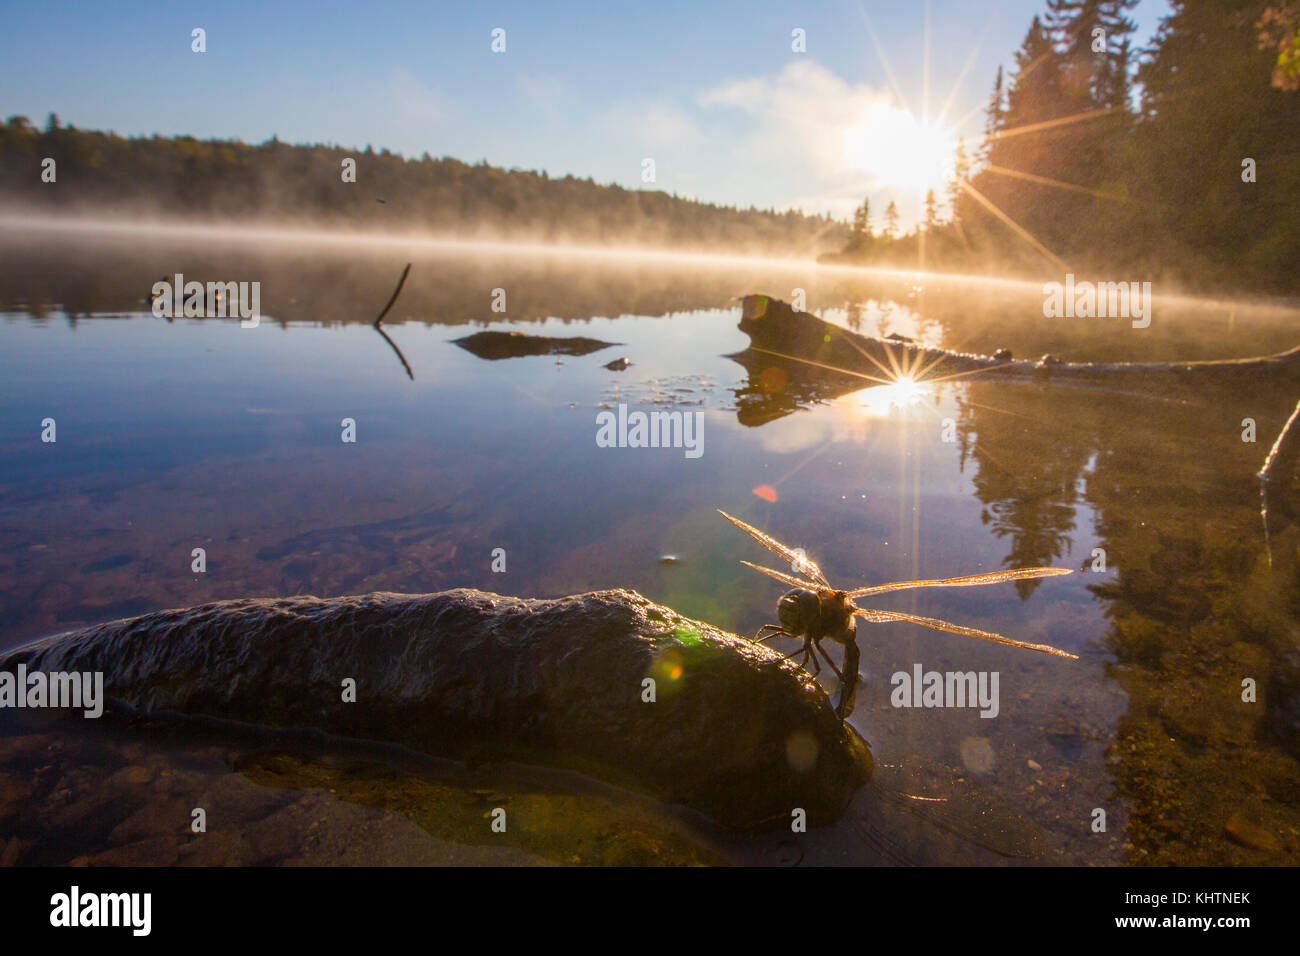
(282, 183)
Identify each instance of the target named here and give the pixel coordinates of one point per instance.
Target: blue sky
(712, 92)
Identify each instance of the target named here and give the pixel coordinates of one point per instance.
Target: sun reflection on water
(880, 400)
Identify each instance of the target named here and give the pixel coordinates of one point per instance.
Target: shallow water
(197, 433)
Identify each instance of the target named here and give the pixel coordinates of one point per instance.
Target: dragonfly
(814, 611)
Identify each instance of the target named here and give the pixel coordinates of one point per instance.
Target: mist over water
(198, 433)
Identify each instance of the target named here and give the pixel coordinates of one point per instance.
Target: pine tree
(957, 200)
(1033, 96)
(1092, 39)
(1034, 93)
(862, 219)
(994, 116)
(1092, 77)
(931, 211)
(891, 221)
(1207, 103)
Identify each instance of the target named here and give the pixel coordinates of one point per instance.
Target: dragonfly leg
(798, 650)
(849, 685)
(823, 653)
(776, 629)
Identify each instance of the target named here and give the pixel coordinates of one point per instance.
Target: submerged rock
(503, 345)
(1245, 831)
(473, 675)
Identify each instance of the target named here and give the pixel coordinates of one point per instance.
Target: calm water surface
(197, 433)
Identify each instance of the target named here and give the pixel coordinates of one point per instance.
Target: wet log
(774, 327)
(733, 730)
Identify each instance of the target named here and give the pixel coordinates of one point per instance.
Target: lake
(184, 434)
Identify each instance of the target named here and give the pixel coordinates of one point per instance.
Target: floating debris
(676, 391)
(503, 345)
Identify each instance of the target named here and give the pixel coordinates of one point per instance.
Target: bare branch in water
(396, 292)
(400, 356)
(379, 323)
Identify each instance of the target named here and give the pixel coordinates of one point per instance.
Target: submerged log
(504, 345)
(734, 730)
(773, 326)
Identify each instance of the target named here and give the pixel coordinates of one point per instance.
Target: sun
(899, 150)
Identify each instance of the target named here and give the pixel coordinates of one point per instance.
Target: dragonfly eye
(792, 613)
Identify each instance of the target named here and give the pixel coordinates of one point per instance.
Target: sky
(712, 92)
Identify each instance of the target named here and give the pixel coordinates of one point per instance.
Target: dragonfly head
(799, 612)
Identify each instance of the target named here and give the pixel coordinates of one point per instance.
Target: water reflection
(199, 434)
(777, 386)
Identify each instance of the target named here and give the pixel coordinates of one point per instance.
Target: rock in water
(472, 675)
(1248, 833)
(502, 345)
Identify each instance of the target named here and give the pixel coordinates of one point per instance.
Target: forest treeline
(284, 184)
(1177, 163)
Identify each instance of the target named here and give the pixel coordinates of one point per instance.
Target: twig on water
(378, 323)
(396, 292)
(1279, 464)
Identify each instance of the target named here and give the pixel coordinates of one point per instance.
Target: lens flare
(899, 150)
(880, 400)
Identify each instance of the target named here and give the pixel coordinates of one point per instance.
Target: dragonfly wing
(781, 576)
(882, 616)
(798, 561)
(969, 581)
